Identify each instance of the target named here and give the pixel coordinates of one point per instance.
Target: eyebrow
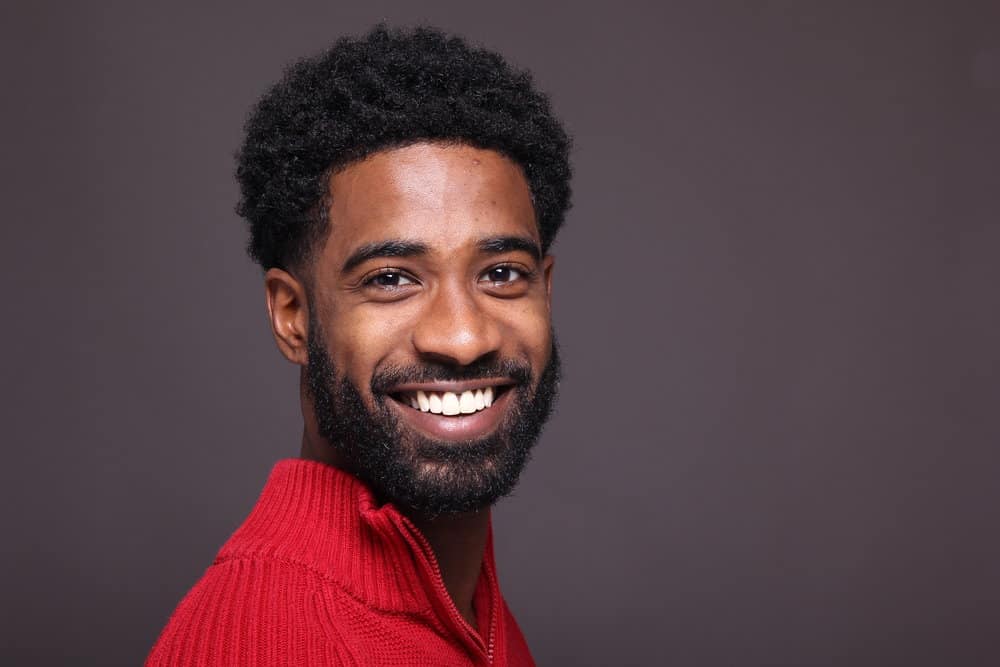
(390, 248)
(400, 248)
(502, 244)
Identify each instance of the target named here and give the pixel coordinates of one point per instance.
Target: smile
(449, 402)
(453, 411)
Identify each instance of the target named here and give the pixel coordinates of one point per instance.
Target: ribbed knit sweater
(320, 574)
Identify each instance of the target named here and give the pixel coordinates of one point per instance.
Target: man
(402, 191)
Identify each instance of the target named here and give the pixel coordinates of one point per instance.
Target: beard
(417, 473)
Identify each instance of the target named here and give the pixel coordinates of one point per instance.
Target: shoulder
(250, 612)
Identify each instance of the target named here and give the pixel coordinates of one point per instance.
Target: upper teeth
(450, 403)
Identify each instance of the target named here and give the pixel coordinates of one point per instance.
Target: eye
(389, 280)
(500, 275)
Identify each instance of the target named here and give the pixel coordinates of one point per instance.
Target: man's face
(431, 362)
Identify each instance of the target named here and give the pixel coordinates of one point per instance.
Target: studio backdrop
(776, 297)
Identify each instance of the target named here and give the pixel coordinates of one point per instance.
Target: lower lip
(458, 427)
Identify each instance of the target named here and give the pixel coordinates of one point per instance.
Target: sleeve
(246, 612)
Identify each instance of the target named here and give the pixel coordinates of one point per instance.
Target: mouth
(453, 411)
(451, 403)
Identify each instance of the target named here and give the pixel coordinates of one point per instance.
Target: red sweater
(319, 574)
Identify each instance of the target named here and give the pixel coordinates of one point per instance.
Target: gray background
(777, 297)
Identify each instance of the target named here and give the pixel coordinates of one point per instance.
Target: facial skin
(431, 279)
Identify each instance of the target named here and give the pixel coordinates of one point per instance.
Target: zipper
(489, 648)
(497, 605)
(438, 582)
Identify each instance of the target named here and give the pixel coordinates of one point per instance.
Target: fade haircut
(388, 89)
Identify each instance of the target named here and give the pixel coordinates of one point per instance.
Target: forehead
(447, 196)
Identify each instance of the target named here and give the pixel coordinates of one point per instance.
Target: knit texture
(320, 574)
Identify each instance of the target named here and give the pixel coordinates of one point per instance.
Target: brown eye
(502, 274)
(389, 280)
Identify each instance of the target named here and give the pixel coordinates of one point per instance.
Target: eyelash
(526, 274)
(369, 280)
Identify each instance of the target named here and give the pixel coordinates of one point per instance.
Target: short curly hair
(388, 89)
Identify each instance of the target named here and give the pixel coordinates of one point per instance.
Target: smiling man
(403, 191)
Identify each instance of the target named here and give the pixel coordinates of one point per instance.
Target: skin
(454, 303)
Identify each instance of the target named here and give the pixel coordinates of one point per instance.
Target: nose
(455, 329)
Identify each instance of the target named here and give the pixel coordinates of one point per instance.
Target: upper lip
(456, 387)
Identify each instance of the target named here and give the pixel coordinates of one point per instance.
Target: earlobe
(287, 310)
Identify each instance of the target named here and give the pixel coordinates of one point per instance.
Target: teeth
(449, 404)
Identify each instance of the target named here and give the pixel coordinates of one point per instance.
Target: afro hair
(388, 89)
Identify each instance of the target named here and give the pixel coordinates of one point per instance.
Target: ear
(288, 311)
(548, 263)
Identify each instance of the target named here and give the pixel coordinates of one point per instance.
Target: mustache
(392, 376)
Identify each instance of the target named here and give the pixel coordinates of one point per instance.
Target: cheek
(532, 331)
(363, 338)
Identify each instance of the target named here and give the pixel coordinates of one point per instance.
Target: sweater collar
(327, 520)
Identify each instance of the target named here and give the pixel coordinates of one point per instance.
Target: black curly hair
(385, 90)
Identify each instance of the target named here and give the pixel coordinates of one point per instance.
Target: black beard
(419, 474)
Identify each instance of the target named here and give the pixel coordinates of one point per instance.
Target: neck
(315, 448)
(459, 543)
